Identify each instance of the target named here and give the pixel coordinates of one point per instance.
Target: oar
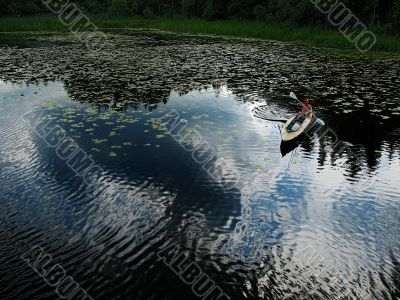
(273, 120)
(257, 112)
(293, 95)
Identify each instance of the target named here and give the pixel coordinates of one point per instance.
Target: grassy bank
(251, 29)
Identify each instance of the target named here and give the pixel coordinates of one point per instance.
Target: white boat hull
(305, 126)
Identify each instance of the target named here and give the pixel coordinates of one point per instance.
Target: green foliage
(137, 6)
(304, 13)
(240, 9)
(167, 11)
(209, 12)
(260, 12)
(20, 7)
(118, 8)
(299, 12)
(396, 17)
(189, 8)
(93, 6)
(238, 28)
(148, 13)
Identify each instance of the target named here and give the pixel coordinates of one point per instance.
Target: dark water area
(317, 223)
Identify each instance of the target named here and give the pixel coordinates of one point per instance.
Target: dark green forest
(301, 12)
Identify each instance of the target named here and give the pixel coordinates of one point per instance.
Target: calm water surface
(309, 225)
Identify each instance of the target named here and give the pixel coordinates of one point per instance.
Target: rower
(306, 110)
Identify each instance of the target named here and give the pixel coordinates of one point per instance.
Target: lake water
(318, 223)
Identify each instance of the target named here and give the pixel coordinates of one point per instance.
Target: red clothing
(306, 107)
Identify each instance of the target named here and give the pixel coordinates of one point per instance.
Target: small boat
(289, 135)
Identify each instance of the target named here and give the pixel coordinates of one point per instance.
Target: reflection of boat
(287, 147)
(288, 135)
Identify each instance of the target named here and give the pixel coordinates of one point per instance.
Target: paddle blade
(293, 95)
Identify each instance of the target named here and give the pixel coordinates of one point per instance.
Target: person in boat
(306, 110)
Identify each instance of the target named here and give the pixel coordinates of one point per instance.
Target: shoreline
(312, 36)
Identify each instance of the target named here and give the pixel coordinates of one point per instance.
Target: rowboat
(289, 135)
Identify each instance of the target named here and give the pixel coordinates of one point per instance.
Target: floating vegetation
(244, 74)
(209, 122)
(91, 111)
(112, 154)
(230, 138)
(198, 117)
(98, 141)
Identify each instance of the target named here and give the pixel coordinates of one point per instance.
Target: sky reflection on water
(294, 226)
